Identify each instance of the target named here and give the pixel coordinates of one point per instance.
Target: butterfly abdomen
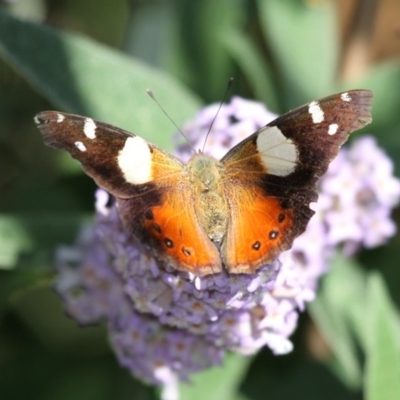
(210, 203)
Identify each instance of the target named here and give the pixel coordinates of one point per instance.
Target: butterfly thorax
(210, 205)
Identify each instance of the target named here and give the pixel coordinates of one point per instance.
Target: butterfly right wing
(154, 193)
(271, 176)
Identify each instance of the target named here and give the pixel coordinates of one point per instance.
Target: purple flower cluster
(358, 193)
(165, 324)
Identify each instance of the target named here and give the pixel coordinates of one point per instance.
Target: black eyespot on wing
(273, 234)
(157, 228)
(169, 243)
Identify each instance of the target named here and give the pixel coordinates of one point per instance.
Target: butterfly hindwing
(257, 231)
(172, 229)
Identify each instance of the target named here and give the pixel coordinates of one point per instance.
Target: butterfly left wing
(271, 176)
(154, 192)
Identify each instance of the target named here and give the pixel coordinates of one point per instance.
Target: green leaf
(346, 286)
(254, 66)
(151, 32)
(381, 79)
(15, 284)
(36, 238)
(81, 76)
(390, 253)
(21, 234)
(302, 38)
(202, 24)
(14, 240)
(218, 382)
(382, 376)
(339, 296)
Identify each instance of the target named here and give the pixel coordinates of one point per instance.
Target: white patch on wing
(278, 154)
(60, 118)
(135, 161)
(333, 129)
(313, 206)
(316, 112)
(89, 128)
(36, 119)
(80, 146)
(345, 96)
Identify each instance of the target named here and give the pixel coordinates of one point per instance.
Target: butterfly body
(236, 213)
(206, 176)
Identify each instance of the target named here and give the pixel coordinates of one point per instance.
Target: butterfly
(238, 213)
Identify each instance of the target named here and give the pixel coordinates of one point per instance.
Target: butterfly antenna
(228, 86)
(151, 94)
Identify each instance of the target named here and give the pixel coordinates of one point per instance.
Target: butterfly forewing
(318, 130)
(117, 160)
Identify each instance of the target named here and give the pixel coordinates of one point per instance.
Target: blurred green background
(97, 59)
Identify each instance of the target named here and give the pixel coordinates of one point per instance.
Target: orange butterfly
(238, 213)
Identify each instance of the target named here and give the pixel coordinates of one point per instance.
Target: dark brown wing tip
(48, 124)
(362, 99)
(361, 105)
(45, 117)
(361, 94)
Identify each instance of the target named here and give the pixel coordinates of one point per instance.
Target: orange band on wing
(258, 230)
(177, 234)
